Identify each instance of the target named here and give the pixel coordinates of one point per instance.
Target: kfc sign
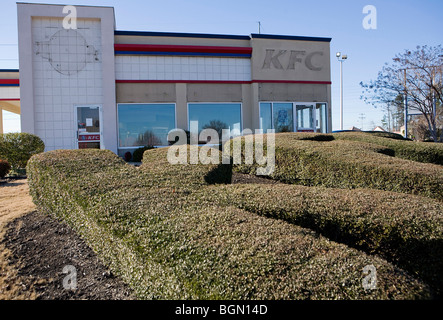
(288, 59)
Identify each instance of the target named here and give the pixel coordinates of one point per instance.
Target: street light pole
(406, 108)
(343, 58)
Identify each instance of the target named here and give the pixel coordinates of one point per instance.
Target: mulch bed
(41, 247)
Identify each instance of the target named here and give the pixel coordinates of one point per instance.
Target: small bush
(137, 156)
(128, 156)
(18, 148)
(4, 168)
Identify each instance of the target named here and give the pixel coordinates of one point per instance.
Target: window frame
(214, 103)
(294, 113)
(142, 103)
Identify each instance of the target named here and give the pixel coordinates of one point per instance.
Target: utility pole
(362, 117)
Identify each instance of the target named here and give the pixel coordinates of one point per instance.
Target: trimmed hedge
(349, 164)
(409, 150)
(158, 229)
(389, 135)
(18, 148)
(4, 168)
(406, 230)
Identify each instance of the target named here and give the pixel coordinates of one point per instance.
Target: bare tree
(416, 74)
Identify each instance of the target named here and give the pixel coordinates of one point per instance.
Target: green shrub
(406, 230)
(185, 175)
(18, 148)
(159, 228)
(410, 150)
(4, 168)
(137, 156)
(350, 164)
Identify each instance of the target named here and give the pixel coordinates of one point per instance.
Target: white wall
(61, 68)
(182, 68)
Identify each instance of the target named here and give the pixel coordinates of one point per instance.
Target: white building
(97, 87)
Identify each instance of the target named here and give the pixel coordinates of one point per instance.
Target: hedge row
(349, 164)
(410, 150)
(406, 230)
(4, 168)
(157, 228)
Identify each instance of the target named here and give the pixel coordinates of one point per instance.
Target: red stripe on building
(9, 81)
(223, 81)
(172, 48)
(182, 81)
(293, 81)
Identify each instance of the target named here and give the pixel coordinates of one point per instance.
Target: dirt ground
(35, 249)
(14, 203)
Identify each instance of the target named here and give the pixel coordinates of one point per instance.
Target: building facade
(97, 87)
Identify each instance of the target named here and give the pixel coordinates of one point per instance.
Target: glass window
(217, 116)
(276, 115)
(280, 116)
(283, 117)
(321, 118)
(145, 124)
(265, 116)
(305, 116)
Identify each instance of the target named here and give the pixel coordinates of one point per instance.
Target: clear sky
(401, 24)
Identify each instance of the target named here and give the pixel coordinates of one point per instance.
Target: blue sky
(400, 25)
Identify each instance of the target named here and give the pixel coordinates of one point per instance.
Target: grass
(160, 228)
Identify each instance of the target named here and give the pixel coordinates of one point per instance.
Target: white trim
(327, 116)
(141, 103)
(302, 103)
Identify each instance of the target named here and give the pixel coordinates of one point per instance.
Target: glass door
(305, 114)
(88, 124)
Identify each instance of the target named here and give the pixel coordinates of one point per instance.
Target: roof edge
(287, 37)
(179, 35)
